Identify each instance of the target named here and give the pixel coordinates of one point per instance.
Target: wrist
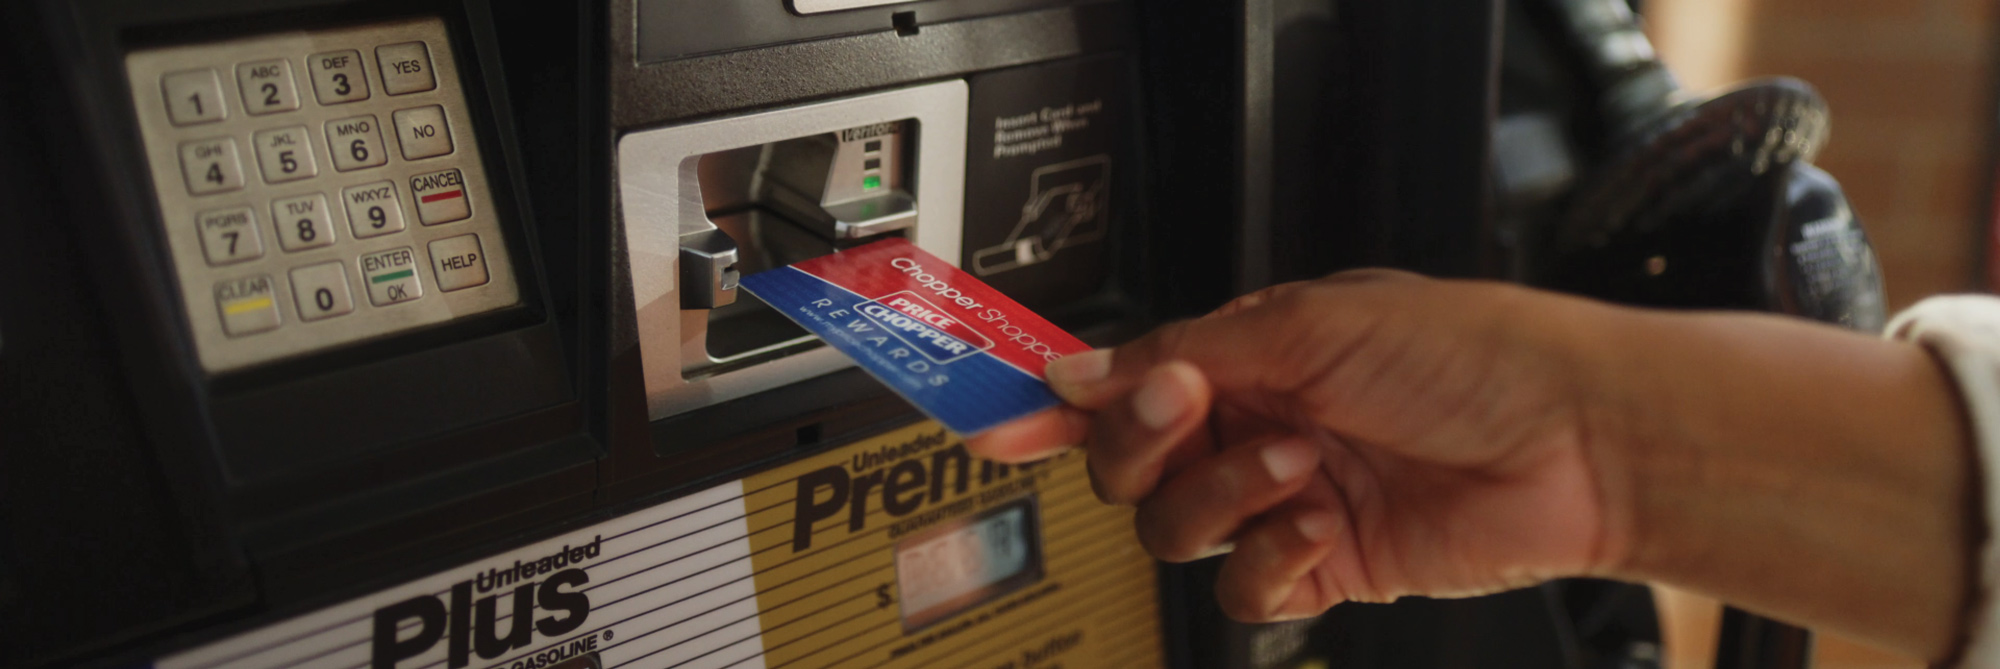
(1791, 468)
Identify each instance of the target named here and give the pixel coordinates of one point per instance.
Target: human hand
(1361, 437)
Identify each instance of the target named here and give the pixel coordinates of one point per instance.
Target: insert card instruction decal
(955, 347)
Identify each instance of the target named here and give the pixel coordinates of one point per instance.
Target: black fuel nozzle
(1619, 62)
(1702, 200)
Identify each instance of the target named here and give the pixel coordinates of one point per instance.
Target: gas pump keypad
(285, 199)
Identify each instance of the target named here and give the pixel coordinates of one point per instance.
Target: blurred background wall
(1912, 85)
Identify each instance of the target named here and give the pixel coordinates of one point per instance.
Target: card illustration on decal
(1068, 204)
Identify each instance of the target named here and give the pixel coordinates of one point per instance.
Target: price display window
(968, 562)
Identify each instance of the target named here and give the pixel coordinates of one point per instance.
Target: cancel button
(459, 262)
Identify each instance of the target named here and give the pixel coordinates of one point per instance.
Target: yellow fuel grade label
(904, 551)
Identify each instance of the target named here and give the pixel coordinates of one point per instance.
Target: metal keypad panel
(319, 188)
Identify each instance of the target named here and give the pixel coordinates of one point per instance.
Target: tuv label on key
(955, 347)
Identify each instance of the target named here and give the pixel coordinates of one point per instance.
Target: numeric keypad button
(302, 222)
(267, 86)
(321, 291)
(211, 166)
(373, 209)
(285, 154)
(337, 77)
(406, 68)
(355, 142)
(229, 236)
(193, 96)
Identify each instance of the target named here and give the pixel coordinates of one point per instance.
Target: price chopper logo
(473, 626)
(923, 326)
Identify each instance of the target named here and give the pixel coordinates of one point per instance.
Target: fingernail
(1316, 526)
(1160, 401)
(1288, 460)
(1223, 548)
(1080, 369)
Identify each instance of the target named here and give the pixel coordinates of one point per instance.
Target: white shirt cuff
(1963, 331)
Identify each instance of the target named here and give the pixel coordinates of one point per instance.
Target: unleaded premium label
(896, 551)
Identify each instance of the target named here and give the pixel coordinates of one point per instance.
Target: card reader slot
(708, 203)
(779, 203)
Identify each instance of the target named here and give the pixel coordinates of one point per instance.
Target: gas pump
(344, 333)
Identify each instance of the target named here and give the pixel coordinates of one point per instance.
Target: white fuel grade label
(897, 551)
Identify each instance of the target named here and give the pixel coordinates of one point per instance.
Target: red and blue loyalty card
(955, 347)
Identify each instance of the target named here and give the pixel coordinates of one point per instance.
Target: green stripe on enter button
(392, 276)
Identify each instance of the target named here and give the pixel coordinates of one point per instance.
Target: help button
(459, 262)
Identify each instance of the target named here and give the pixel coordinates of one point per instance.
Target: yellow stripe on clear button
(244, 306)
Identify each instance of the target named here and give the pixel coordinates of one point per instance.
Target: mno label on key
(353, 127)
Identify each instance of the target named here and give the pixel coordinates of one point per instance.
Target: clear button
(247, 305)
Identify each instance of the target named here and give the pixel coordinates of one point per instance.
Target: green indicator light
(871, 182)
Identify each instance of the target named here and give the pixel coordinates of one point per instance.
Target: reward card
(955, 347)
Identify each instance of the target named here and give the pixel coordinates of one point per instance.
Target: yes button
(391, 276)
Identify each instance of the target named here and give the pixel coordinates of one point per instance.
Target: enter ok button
(459, 262)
